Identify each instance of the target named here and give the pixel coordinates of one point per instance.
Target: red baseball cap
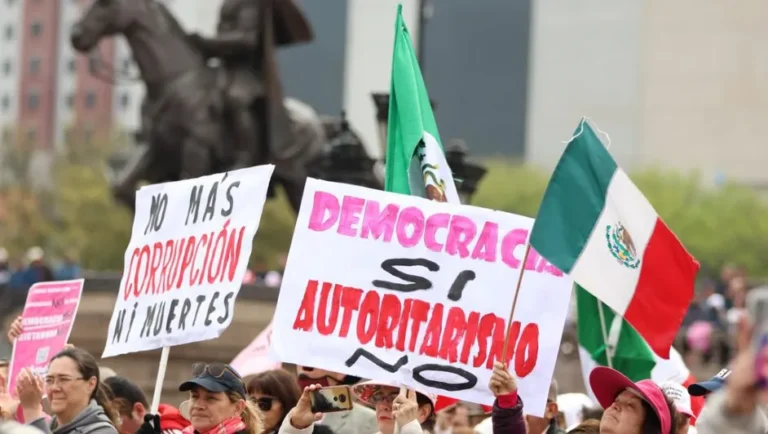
(607, 384)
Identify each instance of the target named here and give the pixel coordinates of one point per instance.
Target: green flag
(631, 354)
(415, 162)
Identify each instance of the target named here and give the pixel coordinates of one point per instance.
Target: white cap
(679, 395)
(34, 254)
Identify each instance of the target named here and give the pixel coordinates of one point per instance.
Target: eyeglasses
(382, 398)
(61, 381)
(264, 403)
(215, 370)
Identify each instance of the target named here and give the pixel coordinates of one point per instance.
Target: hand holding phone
(331, 399)
(757, 306)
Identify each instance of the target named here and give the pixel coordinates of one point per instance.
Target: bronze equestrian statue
(193, 112)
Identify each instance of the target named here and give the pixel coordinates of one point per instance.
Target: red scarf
(228, 426)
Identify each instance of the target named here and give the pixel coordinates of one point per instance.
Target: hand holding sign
(301, 415)
(14, 331)
(502, 382)
(405, 407)
(29, 388)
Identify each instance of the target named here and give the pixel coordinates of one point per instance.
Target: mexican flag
(415, 162)
(595, 225)
(631, 355)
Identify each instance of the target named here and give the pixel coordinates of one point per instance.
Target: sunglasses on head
(215, 370)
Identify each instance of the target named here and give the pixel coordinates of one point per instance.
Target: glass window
(34, 65)
(33, 100)
(5, 103)
(36, 28)
(7, 67)
(90, 100)
(8, 32)
(72, 65)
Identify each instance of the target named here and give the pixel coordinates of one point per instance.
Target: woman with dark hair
(276, 393)
(78, 400)
(631, 408)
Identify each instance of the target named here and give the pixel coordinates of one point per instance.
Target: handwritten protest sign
(186, 260)
(256, 357)
(47, 320)
(380, 285)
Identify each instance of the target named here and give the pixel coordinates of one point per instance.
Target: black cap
(229, 380)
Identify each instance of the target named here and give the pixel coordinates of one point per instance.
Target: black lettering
(185, 308)
(118, 326)
(200, 299)
(146, 329)
(156, 213)
(360, 352)
(230, 199)
(210, 207)
(417, 283)
(227, 301)
(211, 309)
(457, 289)
(159, 319)
(133, 317)
(194, 204)
(469, 379)
(171, 315)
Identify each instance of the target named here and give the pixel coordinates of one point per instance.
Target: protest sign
(186, 260)
(47, 320)
(382, 285)
(256, 357)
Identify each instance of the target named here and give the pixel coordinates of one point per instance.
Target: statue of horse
(183, 117)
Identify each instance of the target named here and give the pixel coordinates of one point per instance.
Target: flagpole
(603, 329)
(514, 302)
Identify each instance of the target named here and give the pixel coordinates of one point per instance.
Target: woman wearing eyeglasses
(218, 403)
(78, 400)
(275, 392)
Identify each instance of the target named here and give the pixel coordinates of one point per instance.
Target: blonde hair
(251, 415)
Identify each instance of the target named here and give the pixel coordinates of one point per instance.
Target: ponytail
(102, 395)
(251, 415)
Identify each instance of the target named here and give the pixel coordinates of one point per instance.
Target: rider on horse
(247, 34)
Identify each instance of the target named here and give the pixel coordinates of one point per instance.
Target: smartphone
(757, 307)
(331, 399)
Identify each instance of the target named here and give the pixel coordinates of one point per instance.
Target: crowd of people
(77, 396)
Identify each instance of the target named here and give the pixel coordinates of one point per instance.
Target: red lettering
(128, 284)
(484, 331)
(388, 321)
(527, 350)
(305, 316)
(455, 328)
(366, 320)
(473, 322)
(431, 343)
(402, 328)
(419, 311)
(350, 302)
(233, 251)
(325, 326)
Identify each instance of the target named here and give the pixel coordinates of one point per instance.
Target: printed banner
(383, 285)
(256, 357)
(184, 266)
(47, 320)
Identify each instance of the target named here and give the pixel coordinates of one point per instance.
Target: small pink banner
(49, 314)
(255, 358)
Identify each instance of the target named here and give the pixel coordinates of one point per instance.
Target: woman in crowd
(631, 408)
(409, 411)
(78, 400)
(218, 403)
(275, 392)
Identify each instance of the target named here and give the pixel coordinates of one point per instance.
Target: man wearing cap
(682, 400)
(360, 419)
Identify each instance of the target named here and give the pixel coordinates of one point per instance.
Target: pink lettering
(485, 248)
(435, 222)
(379, 223)
(410, 216)
(322, 203)
(509, 243)
(350, 215)
(460, 234)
